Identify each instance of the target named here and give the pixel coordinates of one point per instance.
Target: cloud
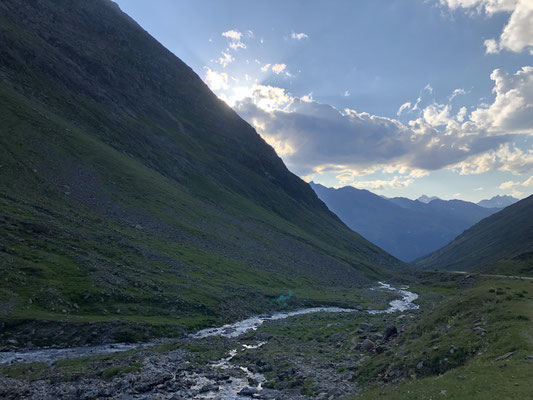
(323, 137)
(266, 67)
(509, 185)
(225, 59)
(505, 158)
(317, 138)
(347, 93)
(278, 68)
(404, 107)
(456, 92)
(299, 36)
(512, 109)
(528, 182)
(512, 185)
(517, 35)
(234, 38)
(379, 184)
(233, 35)
(216, 80)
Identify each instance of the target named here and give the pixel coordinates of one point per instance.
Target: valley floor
(472, 338)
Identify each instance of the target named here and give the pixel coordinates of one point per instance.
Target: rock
(505, 356)
(390, 331)
(380, 349)
(209, 388)
(248, 392)
(14, 342)
(365, 326)
(479, 331)
(529, 357)
(420, 365)
(367, 345)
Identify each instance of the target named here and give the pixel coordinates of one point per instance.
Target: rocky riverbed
(308, 353)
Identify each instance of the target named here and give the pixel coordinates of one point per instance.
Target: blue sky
(403, 98)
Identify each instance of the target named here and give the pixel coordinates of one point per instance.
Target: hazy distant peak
(498, 202)
(427, 199)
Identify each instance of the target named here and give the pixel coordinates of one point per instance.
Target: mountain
(408, 229)
(132, 194)
(427, 199)
(498, 202)
(501, 243)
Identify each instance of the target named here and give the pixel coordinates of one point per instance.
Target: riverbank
(221, 363)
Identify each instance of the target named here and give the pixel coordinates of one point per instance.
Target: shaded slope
(130, 192)
(405, 228)
(506, 236)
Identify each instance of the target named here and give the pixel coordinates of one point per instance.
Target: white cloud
(512, 109)
(504, 158)
(528, 182)
(278, 68)
(404, 107)
(517, 35)
(266, 67)
(324, 138)
(317, 138)
(513, 186)
(349, 178)
(456, 92)
(234, 38)
(225, 59)
(509, 185)
(347, 93)
(299, 36)
(233, 35)
(437, 114)
(216, 80)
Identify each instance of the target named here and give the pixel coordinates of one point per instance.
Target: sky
(402, 98)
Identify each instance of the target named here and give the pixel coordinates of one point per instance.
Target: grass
(507, 308)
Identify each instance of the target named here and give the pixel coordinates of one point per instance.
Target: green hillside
(501, 243)
(131, 194)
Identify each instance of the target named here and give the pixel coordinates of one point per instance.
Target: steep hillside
(130, 192)
(501, 243)
(405, 228)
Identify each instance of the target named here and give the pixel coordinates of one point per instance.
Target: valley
(154, 245)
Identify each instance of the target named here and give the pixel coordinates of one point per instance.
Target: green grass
(507, 308)
(142, 198)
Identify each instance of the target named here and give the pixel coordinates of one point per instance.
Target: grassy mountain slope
(130, 193)
(501, 243)
(407, 229)
(476, 344)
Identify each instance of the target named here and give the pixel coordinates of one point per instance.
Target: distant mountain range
(501, 243)
(498, 202)
(408, 229)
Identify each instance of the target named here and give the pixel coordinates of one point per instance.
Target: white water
(48, 355)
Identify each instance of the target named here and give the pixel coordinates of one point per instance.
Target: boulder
(390, 331)
(367, 345)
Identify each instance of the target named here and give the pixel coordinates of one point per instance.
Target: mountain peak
(498, 201)
(427, 199)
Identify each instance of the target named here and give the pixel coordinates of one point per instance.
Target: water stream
(50, 355)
